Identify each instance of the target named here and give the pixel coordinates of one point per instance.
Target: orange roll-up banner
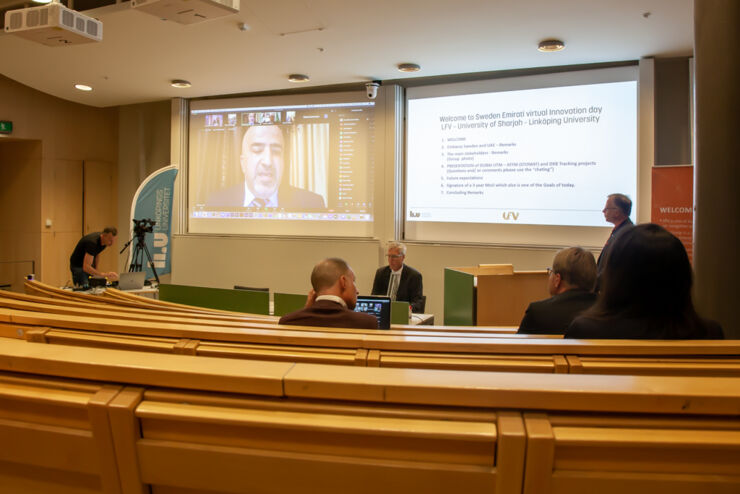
(673, 202)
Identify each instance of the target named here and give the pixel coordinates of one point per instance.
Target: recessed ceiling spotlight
(42, 1)
(83, 87)
(298, 78)
(550, 45)
(408, 67)
(180, 83)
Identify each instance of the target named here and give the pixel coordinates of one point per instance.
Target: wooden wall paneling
(20, 201)
(61, 195)
(56, 247)
(61, 203)
(100, 207)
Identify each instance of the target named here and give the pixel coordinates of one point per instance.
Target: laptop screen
(380, 307)
(131, 281)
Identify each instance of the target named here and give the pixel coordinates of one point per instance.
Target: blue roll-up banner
(153, 200)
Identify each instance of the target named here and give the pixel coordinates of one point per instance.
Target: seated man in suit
(331, 300)
(399, 281)
(571, 284)
(262, 162)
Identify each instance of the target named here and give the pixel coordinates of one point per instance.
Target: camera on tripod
(143, 226)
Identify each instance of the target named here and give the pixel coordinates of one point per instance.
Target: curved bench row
(92, 326)
(115, 421)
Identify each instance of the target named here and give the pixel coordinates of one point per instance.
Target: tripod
(137, 257)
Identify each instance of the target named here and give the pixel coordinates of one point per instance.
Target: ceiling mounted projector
(53, 25)
(187, 11)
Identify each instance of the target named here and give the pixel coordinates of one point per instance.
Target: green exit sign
(6, 127)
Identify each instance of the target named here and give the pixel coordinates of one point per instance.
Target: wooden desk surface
(674, 395)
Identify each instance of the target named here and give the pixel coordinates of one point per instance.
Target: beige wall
(284, 265)
(67, 135)
(281, 264)
(144, 147)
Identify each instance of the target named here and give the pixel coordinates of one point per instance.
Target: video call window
(309, 162)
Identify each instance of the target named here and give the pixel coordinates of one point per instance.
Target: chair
(251, 288)
(423, 304)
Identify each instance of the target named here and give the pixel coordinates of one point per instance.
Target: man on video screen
(262, 162)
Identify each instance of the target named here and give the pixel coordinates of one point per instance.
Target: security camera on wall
(372, 89)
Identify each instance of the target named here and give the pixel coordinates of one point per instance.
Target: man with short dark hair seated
(570, 283)
(332, 300)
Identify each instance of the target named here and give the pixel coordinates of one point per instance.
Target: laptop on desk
(131, 281)
(380, 307)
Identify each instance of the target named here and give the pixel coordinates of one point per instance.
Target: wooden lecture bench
(98, 420)
(60, 324)
(42, 305)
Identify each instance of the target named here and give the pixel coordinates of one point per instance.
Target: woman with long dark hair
(645, 292)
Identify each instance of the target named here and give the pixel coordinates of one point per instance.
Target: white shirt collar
(399, 270)
(333, 298)
(272, 202)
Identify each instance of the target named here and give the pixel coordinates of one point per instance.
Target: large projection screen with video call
(520, 161)
(282, 165)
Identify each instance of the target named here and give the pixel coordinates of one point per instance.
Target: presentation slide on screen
(546, 156)
(282, 168)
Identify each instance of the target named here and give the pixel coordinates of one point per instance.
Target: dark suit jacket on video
(410, 288)
(330, 314)
(553, 315)
(288, 198)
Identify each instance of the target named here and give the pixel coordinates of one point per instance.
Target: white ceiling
(360, 41)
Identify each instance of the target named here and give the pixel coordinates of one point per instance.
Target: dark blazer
(288, 198)
(330, 314)
(616, 232)
(553, 315)
(410, 288)
(639, 328)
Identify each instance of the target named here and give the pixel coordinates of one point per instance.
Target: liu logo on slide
(510, 215)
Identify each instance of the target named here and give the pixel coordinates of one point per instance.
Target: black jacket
(410, 288)
(641, 329)
(553, 315)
